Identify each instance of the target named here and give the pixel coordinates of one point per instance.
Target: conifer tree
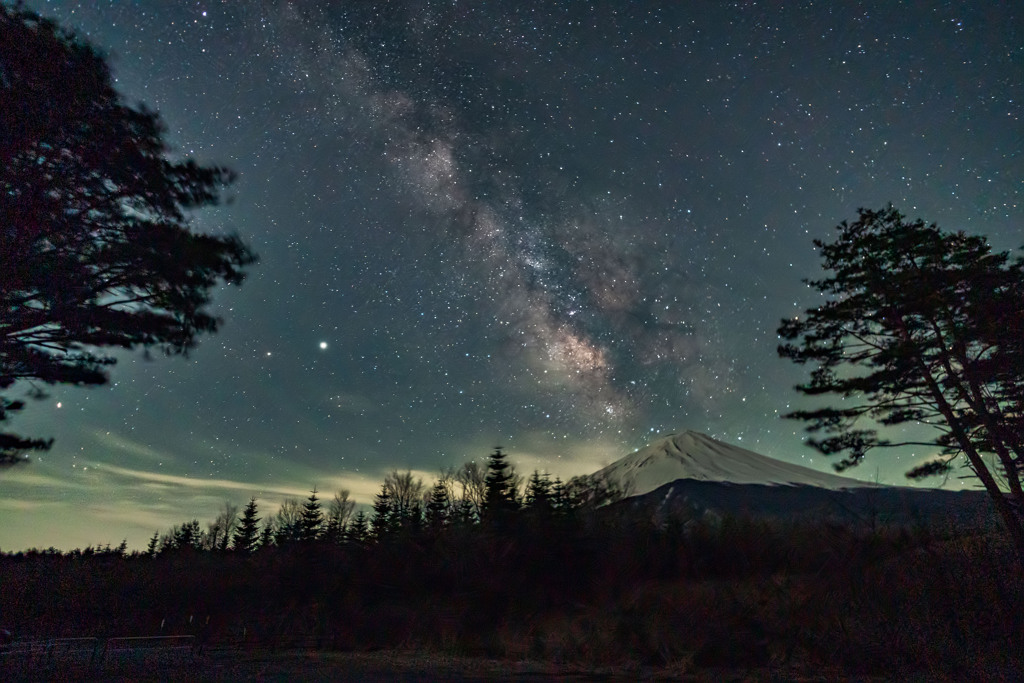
(923, 327)
(438, 507)
(500, 497)
(538, 493)
(359, 530)
(154, 544)
(96, 250)
(188, 536)
(334, 531)
(383, 519)
(246, 537)
(312, 521)
(267, 536)
(464, 513)
(413, 522)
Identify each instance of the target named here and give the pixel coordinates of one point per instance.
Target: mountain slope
(690, 476)
(692, 455)
(688, 499)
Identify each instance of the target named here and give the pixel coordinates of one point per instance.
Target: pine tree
(383, 519)
(312, 521)
(500, 497)
(464, 513)
(538, 495)
(154, 545)
(413, 522)
(247, 533)
(538, 490)
(439, 507)
(188, 536)
(359, 530)
(334, 531)
(96, 250)
(918, 327)
(267, 536)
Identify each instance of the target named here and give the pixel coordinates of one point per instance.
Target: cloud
(34, 475)
(22, 505)
(114, 441)
(362, 487)
(194, 482)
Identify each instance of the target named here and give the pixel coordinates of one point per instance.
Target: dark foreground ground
(565, 599)
(311, 665)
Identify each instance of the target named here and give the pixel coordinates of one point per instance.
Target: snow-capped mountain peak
(692, 455)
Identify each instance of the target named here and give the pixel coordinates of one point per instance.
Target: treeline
(494, 495)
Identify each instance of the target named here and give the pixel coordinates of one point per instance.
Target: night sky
(565, 230)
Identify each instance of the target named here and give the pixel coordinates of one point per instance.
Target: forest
(486, 563)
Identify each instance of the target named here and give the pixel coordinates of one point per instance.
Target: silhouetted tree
(538, 490)
(464, 513)
(359, 530)
(383, 520)
(472, 480)
(94, 225)
(439, 507)
(154, 545)
(246, 538)
(538, 499)
(338, 515)
(267, 536)
(919, 326)
(218, 532)
(188, 536)
(311, 522)
(405, 493)
(500, 498)
(288, 521)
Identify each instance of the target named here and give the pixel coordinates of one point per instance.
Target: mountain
(690, 475)
(692, 455)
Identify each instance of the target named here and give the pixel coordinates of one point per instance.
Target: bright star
(323, 345)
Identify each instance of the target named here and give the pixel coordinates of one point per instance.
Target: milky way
(565, 229)
(563, 273)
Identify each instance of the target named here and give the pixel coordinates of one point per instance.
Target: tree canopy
(919, 326)
(95, 239)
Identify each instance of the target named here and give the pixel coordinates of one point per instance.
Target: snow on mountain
(692, 455)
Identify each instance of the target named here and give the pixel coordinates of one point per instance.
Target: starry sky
(563, 228)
